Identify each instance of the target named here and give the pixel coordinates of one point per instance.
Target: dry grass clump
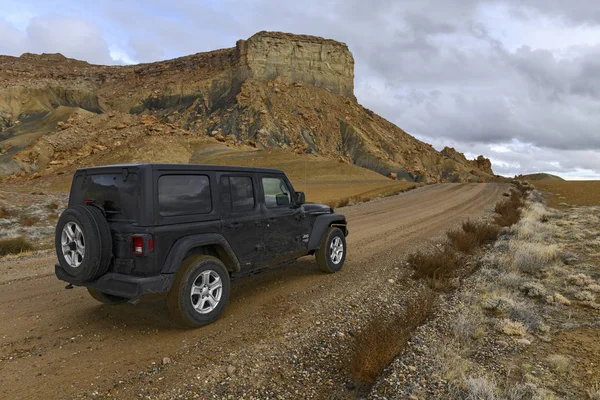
(532, 257)
(584, 295)
(481, 388)
(438, 267)
(534, 224)
(498, 303)
(533, 289)
(28, 220)
(376, 346)
(472, 235)
(14, 246)
(558, 362)
(52, 206)
(594, 392)
(559, 299)
(5, 213)
(580, 280)
(512, 328)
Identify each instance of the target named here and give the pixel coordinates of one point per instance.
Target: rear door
(282, 228)
(241, 218)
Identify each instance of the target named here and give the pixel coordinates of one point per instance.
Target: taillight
(150, 244)
(137, 244)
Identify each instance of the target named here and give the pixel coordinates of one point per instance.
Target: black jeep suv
(184, 230)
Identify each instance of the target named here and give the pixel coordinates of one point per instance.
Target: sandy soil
(562, 194)
(59, 343)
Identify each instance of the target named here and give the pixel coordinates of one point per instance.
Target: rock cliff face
(293, 92)
(299, 58)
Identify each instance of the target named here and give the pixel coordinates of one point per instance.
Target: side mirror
(300, 198)
(282, 200)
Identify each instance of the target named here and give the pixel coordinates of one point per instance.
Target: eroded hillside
(274, 90)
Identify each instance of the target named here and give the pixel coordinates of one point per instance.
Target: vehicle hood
(312, 208)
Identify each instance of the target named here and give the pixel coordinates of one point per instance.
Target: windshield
(116, 193)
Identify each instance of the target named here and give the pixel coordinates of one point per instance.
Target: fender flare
(187, 243)
(322, 222)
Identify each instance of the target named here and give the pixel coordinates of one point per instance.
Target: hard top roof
(184, 167)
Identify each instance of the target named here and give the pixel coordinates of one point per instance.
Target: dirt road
(57, 343)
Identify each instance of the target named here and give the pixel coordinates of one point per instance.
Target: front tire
(200, 291)
(106, 298)
(332, 253)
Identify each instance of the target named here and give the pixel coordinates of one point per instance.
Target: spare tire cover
(83, 243)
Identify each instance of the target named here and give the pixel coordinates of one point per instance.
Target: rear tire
(200, 291)
(332, 253)
(83, 243)
(106, 298)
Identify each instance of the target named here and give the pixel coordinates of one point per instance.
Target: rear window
(116, 193)
(184, 195)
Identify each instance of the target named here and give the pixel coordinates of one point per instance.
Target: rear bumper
(123, 285)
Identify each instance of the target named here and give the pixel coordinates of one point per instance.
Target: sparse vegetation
(5, 213)
(437, 267)
(14, 246)
(52, 206)
(28, 220)
(509, 211)
(472, 235)
(383, 338)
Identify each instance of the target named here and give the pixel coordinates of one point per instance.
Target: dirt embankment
(285, 332)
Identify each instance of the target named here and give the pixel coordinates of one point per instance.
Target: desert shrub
(509, 211)
(558, 362)
(594, 392)
(584, 295)
(526, 315)
(5, 212)
(508, 214)
(511, 328)
(383, 339)
(559, 298)
(498, 303)
(14, 246)
(28, 220)
(343, 202)
(437, 266)
(480, 388)
(52, 206)
(580, 280)
(532, 257)
(533, 289)
(462, 241)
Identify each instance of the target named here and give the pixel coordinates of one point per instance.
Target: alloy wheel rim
(206, 291)
(336, 250)
(73, 244)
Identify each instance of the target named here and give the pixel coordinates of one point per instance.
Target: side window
(184, 195)
(237, 193)
(276, 192)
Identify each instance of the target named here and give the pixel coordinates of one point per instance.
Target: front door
(241, 217)
(282, 226)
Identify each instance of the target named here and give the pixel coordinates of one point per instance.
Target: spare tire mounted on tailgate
(83, 242)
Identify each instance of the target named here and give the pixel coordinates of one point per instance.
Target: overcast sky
(515, 80)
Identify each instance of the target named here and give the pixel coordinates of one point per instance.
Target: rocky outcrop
(303, 59)
(484, 164)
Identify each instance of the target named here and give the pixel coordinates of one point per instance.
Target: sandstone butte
(273, 90)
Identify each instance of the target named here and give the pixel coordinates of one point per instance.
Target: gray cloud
(71, 36)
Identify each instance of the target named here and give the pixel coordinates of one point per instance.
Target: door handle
(234, 225)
